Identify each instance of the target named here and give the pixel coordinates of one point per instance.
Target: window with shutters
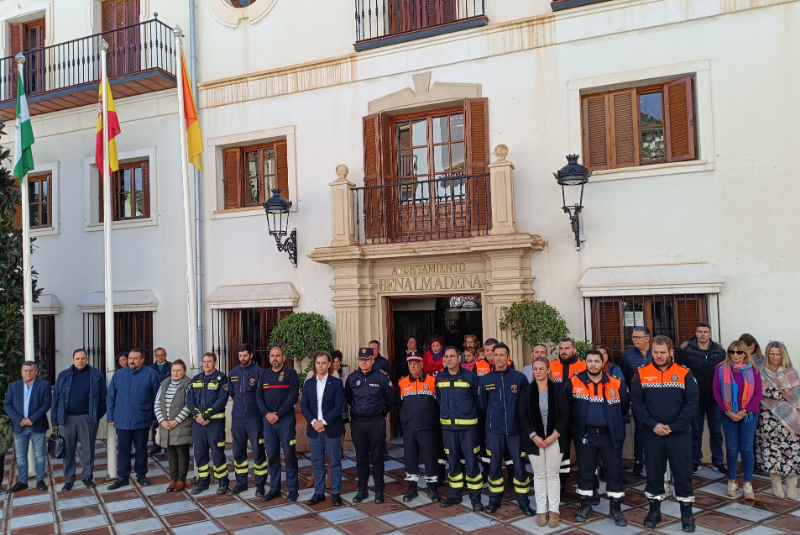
(131, 197)
(676, 316)
(426, 174)
(233, 327)
(253, 171)
(123, 46)
(131, 329)
(639, 125)
(28, 38)
(41, 203)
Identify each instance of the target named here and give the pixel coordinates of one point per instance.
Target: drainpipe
(197, 213)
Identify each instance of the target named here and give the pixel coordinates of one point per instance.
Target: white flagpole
(27, 279)
(108, 214)
(191, 298)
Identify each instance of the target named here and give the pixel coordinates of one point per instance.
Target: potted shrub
(537, 322)
(301, 335)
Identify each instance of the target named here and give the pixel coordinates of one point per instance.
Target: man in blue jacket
(131, 402)
(322, 405)
(632, 359)
(27, 402)
(78, 406)
(163, 368)
(498, 396)
(244, 386)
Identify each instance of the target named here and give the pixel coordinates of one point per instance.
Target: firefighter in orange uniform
(419, 415)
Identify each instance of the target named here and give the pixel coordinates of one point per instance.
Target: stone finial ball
(501, 151)
(342, 170)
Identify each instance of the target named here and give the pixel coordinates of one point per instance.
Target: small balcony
(388, 22)
(141, 59)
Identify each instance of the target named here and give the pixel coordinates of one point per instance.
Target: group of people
(457, 408)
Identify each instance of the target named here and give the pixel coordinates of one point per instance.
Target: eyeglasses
(735, 352)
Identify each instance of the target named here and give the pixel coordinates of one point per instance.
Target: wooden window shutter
(17, 208)
(476, 124)
(282, 170)
(679, 120)
(624, 146)
(607, 324)
(595, 129)
(147, 337)
(373, 174)
(16, 38)
(231, 177)
(235, 334)
(146, 187)
(388, 197)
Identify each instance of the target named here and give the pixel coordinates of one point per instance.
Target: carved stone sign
(429, 277)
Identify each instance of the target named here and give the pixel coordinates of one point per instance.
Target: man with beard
(567, 365)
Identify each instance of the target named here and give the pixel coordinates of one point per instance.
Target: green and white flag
(23, 156)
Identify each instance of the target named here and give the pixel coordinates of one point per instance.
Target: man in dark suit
(27, 402)
(322, 404)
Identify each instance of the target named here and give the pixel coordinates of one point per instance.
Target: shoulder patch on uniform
(225, 386)
(390, 383)
(252, 381)
(513, 389)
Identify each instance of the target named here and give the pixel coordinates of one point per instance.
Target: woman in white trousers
(544, 416)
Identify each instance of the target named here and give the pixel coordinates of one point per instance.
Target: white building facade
(681, 110)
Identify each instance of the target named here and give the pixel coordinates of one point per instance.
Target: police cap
(365, 353)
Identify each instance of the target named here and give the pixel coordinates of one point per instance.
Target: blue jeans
(739, 438)
(321, 445)
(713, 415)
(21, 448)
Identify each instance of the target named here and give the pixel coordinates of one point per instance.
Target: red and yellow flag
(113, 131)
(194, 137)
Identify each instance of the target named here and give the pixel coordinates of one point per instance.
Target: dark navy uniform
(207, 396)
(458, 416)
(370, 397)
(667, 397)
(498, 396)
(419, 412)
(280, 391)
(244, 387)
(597, 410)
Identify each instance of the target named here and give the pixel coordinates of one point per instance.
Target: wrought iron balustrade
(132, 49)
(378, 19)
(455, 206)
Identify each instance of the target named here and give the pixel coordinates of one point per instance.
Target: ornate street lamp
(573, 174)
(277, 209)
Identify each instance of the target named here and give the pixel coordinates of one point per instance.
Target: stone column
(356, 306)
(343, 228)
(504, 218)
(508, 275)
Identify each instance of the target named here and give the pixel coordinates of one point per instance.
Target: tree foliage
(535, 322)
(12, 350)
(301, 335)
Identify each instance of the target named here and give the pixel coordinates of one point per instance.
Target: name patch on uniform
(376, 386)
(513, 389)
(213, 386)
(252, 381)
(234, 378)
(490, 387)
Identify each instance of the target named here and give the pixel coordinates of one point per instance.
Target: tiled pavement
(138, 510)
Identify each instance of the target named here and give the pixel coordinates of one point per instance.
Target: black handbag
(56, 445)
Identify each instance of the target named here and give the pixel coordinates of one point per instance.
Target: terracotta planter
(300, 431)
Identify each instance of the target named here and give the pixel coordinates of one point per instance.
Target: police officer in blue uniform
(371, 395)
(206, 398)
(498, 396)
(457, 390)
(280, 390)
(244, 387)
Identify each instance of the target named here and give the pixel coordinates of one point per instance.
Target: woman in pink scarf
(737, 390)
(778, 435)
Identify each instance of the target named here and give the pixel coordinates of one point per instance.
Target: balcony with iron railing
(387, 22)
(141, 59)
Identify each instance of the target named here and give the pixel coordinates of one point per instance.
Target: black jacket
(369, 395)
(664, 397)
(164, 372)
(207, 395)
(610, 391)
(458, 399)
(702, 362)
(244, 387)
(280, 391)
(530, 418)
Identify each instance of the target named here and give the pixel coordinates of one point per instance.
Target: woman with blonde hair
(778, 433)
(175, 422)
(755, 349)
(544, 417)
(737, 390)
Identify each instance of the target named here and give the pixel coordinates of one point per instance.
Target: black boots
(584, 510)
(687, 517)
(411, 492)
(615, 512)
(654, 515)
(433, 492)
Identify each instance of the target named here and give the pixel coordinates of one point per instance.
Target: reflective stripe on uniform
(476, 449)
(475, 483)
(458, 421)
(293, 442)
(496, 485)
(260, 440)
(221, 471)
(218, 416)
(457, 477)
(221, 444)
